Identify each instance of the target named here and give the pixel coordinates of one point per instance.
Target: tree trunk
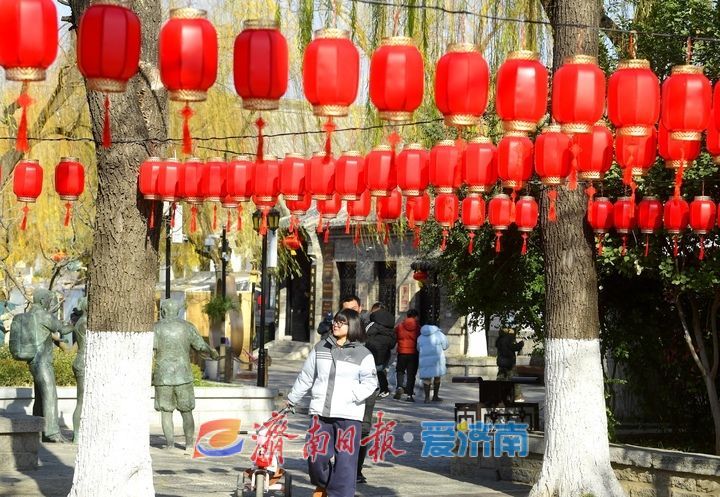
(577, 457)
(121, 288)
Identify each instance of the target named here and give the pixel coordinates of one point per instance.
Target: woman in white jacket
(340, 373)
(431, 345)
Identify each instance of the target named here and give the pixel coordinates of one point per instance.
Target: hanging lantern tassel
(623, 250)
(523, 250)
(679, 178)
(386, 240)
(513, 196)
(347, 225)
(24, 101)
(186, 114)
(264, 224)
(326, 238)
(173, 205)
(379, 224)
(498, 243)
(356, 238)
(151, 221)
(319, 228)
(647, 244)
(600, 243)
(416, 237)
(471, 244)
(675, 246)
(107, 133)
(228, 223)
(590, 191)
(411, 218)
(701, 256)
(23, 223)
(443, 245)
(329, 128)
(68, 212)
(260, 140)
(214, 225)
(572, 179)
(552, 196)
(193, 218)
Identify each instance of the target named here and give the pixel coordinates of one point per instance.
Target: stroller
(266, 478)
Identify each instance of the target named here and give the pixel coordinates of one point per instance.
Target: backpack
(23, 346)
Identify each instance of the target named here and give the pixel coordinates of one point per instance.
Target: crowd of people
(347, 373)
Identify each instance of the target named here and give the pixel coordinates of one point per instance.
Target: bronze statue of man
(31, 341)
(79, 364)
(172, 376)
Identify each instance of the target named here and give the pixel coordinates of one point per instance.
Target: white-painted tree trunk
(577, 455)
(114, 453)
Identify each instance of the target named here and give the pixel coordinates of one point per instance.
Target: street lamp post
(273, 221)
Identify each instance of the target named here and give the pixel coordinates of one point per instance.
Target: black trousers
(406, 367)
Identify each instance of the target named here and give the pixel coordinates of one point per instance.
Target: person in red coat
(407, 333)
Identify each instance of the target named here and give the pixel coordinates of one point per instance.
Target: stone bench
(20, 441)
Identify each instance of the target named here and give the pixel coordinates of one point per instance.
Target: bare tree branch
(714, 332)
(698, 332)
(688, 339)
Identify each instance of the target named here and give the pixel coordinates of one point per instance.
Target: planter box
(19, 441)
(250, 404)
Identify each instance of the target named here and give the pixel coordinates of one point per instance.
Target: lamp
(273, 222)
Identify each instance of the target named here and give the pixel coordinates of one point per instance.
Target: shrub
(17, 373)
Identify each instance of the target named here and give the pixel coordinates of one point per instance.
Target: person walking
(431, 346)
(340, 372)
(380, 342)
(407, 333)
(507, 347)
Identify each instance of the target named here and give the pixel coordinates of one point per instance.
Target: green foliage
(17, 373)
(197, 374)
(217, 307)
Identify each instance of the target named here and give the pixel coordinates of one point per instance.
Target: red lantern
(267, 182)
(212, 183)
(328, 210)
(702, 219)
(298, 208)
(189, 187)
(634, 97)
(461, 85)
(320, 179)
(292, 242)
(417, 210)
(412, 170)
(27, 184)
(526, 218)
(676, 152)
(358, 211)
(479, 167)
(147, 182)
(522, 91)
(624, 219)
(686, 102)
(168, 180)
(388, 209)
(30, 45)
(260, 65)
(396, 79)
(108, 50)
(553, 160)
(69, 182)
(331, 71)
(420, 276)
(381, 176)
(188, 61)
(676, 217)
(578, 94)
(600, 219)
(596, 153)
(240, 178)
(445, 166)
(293, 171)
(649, 215)
(473, 216)
(515, 160)
(446, 214)
(712, 142)
(635, 154)
(350, 181)
(500, 216)
(716, 105)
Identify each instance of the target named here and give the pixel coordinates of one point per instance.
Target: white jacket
(340, 378)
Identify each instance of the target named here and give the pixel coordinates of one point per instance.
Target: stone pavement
(177, 475)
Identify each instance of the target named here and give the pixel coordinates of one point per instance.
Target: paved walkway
(177, 475)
